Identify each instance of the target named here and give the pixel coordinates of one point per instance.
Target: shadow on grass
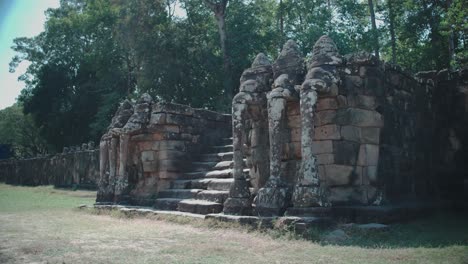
(442, 229)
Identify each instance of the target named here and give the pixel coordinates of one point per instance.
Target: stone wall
(346, 130)
(77, 168)
(150, 144)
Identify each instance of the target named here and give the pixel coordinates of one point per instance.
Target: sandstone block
(370, 175)
(158, 118)
(172, 144)
(172, 155)
(321, 147)
(327, 103)
(321, 173)
(173, 165)
(370, 135)
(325, 159)
(327, 132)
(342, 101)
(358, 117)
(368, 155)
(293, 108)
(294, 121)
(148, 155)
(351, 133)
(346, 152)
(324, 117)
(343, 175)
(362, 101)
(168, 175)
(150, 166)
(296, 135)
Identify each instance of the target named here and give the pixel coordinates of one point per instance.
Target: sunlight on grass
(22, 199)
(40, 225)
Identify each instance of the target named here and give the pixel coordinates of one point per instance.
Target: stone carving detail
(274, 197)
(248, 124)
(321, 76)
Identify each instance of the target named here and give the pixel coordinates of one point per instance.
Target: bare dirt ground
(39, 225)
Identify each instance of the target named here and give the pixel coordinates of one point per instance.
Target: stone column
(248, 104)
(307, 190)
(122, 176)
(320, 78)
(103, 182)
(114, 142)
(239, 201)
(274, 197)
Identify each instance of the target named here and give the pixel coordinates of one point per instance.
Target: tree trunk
(281, 19)
(451, 39)
(374, 29)
(391, 16)
(219, 10)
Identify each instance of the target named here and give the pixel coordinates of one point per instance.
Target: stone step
(220, 184)
(223, 165)
(202, 166)
(226, 141)
(225, 148)
(213, 196)
(209, 174)
(206, 184)
(216, 157)
(220, 174)
(167, 203)
(179, 193)
(199, 207)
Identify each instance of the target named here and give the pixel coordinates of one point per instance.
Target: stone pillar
(248, 105)
(307, 193)
(114, 143)
(108, 148)
(239, 201)
(274, 197)
(122, 176)
(320, 78)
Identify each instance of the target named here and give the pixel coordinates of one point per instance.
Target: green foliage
(18, 131)
(94, 53)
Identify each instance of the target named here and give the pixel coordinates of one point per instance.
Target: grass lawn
(40, 225)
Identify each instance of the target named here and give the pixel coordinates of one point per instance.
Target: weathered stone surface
(343, 175)
(322, 147)
(358, 117)
(327, 132)
(346, 152)
(325, 117)
(324, 159)
(342, 195)
(328, 103)
(289, 62)
(324, 53)
(368, 155)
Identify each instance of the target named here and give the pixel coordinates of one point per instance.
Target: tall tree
(218, 7)
(391, 26)
(375, 35)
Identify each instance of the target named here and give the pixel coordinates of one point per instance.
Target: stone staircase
(204, 189)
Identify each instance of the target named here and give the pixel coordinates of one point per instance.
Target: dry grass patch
(55, 233)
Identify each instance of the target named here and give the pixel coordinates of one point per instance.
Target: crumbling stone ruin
(346, 134)
(149, 149)
(331, 135)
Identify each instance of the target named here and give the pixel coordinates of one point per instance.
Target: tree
(19, 132)
(375, 35)
(218, 7)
